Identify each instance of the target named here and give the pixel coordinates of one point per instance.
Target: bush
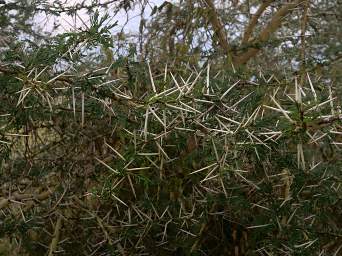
(128, 160)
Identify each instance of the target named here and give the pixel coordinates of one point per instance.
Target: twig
(55, 238)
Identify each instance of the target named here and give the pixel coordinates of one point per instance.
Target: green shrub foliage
(132, 158)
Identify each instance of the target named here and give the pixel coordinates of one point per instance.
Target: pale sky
(69, 23)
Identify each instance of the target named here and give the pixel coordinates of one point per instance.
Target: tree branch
(265, 34)
(218, 28)
(254, 21)
(55, 238)
(302, 54)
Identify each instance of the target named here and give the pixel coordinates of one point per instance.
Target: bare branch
(55, 238)
(265, 34)
(218, 28)
(254, 20)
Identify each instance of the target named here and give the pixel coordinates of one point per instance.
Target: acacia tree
(180, 140)
(242, 30)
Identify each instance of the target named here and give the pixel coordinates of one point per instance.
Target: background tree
(215, 129)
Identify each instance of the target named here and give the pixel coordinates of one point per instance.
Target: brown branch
(218, 28)
(4, 202)
(319, 123)
(55, 238)
(303, 42)
(265, 34)
(254, 21)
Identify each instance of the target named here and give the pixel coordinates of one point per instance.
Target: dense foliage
(181, 140)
